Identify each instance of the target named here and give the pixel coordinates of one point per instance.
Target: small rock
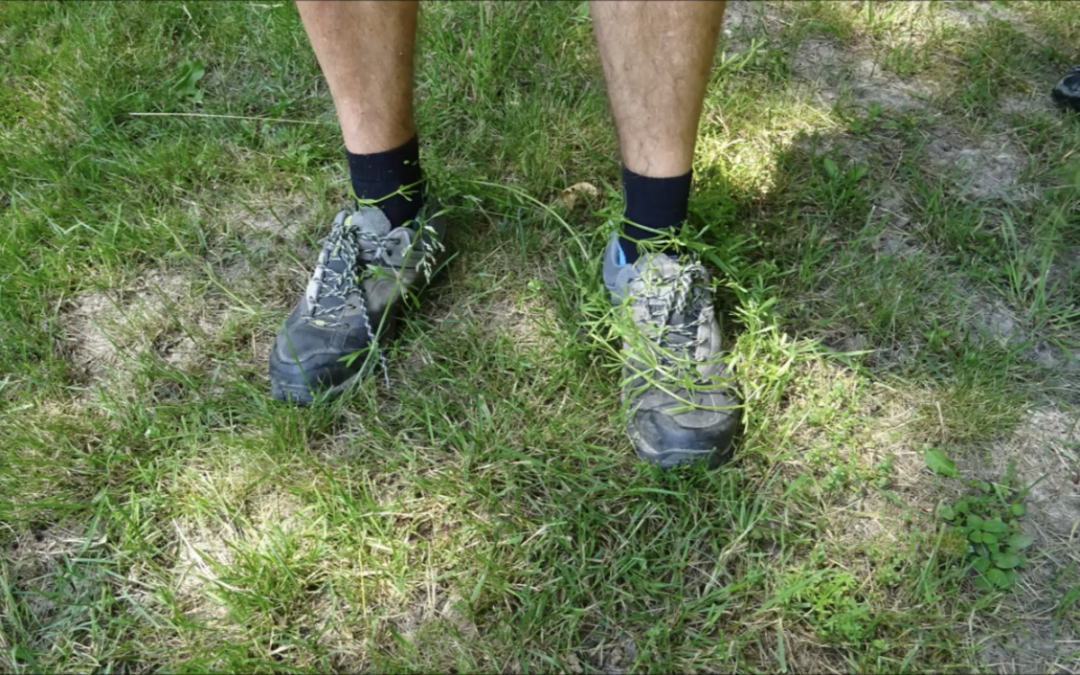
(573, 665)
(854, 343)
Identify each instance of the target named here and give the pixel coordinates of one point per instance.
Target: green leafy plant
(989, 519)
(188, 75)
(832, 603)
(852, 175)
(863, 125)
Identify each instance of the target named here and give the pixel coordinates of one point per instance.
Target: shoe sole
(673, 458)
(301, 395)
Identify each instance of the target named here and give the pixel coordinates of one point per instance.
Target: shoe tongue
(653, 267)
(367, 219)
(371, 220)
(649, 265)
(661, 262)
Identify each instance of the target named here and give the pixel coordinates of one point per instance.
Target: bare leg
(365, 50)
(657, 57)
(365, 266)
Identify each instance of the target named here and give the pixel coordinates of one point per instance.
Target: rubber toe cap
(669, 438)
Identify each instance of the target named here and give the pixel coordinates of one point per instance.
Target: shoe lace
(349, 245)
(376, 250)
(343, 246)
(336, 281)
(675, 303)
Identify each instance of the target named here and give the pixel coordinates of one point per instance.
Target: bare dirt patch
(833, 72)
(1043, 449)
(1043, 453)
(335, 632)
(986, 169)
(1032, 105)
(64, 538)
(275, 514)
(281, 215)
(981, 13)
(613, 655)
(744, 18)
(106, 328)
(993, 318)
(36, 565)
(1028, 635)
(527, 320)
(881, 438)
(517, 305)
(1027, 652)
(892, 212)
(161, 313)
(205, 550)
(202, 553)
(432, 606)
(436, 623)
(92, 350)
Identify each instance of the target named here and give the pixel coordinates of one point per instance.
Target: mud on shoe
(683, 406)
(353, 301)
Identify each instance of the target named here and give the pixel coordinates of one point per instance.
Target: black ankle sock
(380, 174)
(651, 204)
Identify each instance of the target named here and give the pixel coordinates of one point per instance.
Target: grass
(889, 204)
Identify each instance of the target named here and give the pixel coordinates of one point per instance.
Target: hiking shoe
(1067, 91)
(682, 401)
(352, 302)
